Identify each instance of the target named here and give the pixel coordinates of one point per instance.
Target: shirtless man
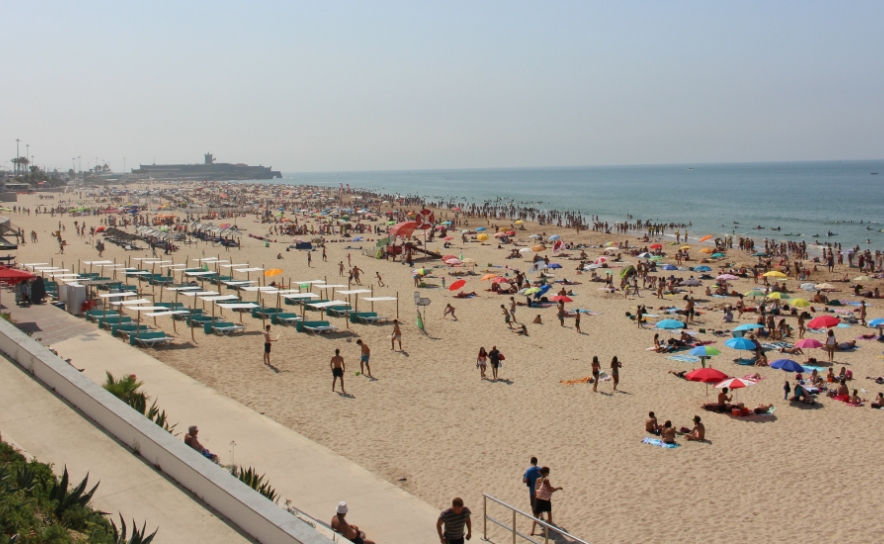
(350, 532)
(397, 336)
(380, 280)
(341, 268)
(723, 398)
(363, 360)
(698, 432)
(651, 425)
(449, 309)
(337, 367)
(356, 272)
(267, 341)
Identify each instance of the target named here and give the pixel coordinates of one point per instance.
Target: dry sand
(427, 416)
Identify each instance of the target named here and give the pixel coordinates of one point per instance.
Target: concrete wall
(257, 516)
(9, 197)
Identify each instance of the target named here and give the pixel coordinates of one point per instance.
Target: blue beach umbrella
(717, 255)
(554, 265)
(877, 322)
(788, 365)
(670, 324)
(748, 327)
(704, 351)
(543, 290)
(740, 343)
(669, 267)
(480, 229)
(702, 269)
(554, 237)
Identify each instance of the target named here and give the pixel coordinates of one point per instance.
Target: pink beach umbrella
(808, 343)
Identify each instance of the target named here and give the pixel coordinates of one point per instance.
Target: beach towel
(852, 303)
(810, 369)
(745, 362)
(659, 443)
(719, 296)
(843, 325)
(684, 358)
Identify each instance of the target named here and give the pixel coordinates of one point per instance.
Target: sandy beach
(429, 424)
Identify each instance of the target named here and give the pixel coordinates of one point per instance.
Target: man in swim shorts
(267, 341)
(363, 360)
(397, 336)
(337, 367)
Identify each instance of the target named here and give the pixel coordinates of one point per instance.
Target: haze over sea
(801, 198)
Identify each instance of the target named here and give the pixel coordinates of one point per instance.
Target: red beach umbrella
(561, 298)
(823, 322)
(656, 246)
(706, 375)
(457, 285)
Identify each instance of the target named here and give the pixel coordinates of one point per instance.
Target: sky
(339, 86)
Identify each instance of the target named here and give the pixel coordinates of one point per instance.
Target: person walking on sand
(337, 368)
(543, 498)
(449, 309)
(615, 371)
(397, 336)
(506, 316)
(596, 370)
(561, 314)
(530, 479)
(482, 362)
(267, 341)
(364, 357)
(380, 280)
(494, 356)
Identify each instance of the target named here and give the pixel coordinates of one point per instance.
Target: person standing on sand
(309, 258)
(337, 367)
(577, 321)
(513, 309)
(341, 268)
(267, 341)
(482, 362)
(596, 370)
(689, 309)
(397, 336)
(615, 371)
(324, 256)
(364, 357)
(530, 479)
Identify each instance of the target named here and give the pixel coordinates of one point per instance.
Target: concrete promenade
(313, 477)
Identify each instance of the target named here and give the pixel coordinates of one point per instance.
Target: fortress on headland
(209, 170)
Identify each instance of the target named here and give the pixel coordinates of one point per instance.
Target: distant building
(209, 170)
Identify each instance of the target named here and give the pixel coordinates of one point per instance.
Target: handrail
(513, 530)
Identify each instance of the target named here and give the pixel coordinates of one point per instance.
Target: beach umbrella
(825, 286)
(787, 365)
(656, 246)
(536, 236)
(707, 250)
(690, 283)
(823, 322)
(685, 248)
(749, 327)
(500, 235)
(774, 274)
(538, 248)
(465, 231)
(601, 260)
(706, 375)
(500, 279)
(453, 261)
(776, 295)
(644, 255)
(526, 251)
(554, 265)
(468, 260)
(707, 237)
(717, 255)
(487, 277)
(531, 291)
(542, 291)
(735, 383)
(518, 222)
(669, 267)
(480, 229)
(754, 293)
(457, 285)
(670, 324)
(272, 272)
(482, 237)
(727, 277)
(448, 238)
(876, 322)
(704, 351)
(809, 343)
(553, 238)
(702, 268)
(510, 233)
(421, 271)
(808, 287)
(561, 298)
(740, 344)
(799, 303)
(446, 257)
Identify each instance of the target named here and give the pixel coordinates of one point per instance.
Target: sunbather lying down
(846, 346)
(466, 295)
(679, 373)
(791, 351)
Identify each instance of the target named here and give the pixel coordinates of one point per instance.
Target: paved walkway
(312, 476)
(46, 427)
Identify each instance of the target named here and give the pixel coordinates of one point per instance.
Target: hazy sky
(406, 85)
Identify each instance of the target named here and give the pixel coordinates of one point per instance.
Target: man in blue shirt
(530, 479)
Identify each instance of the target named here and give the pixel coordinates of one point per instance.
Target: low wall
(253, 513)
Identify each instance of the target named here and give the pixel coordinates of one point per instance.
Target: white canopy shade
(201, 273)
(199, 293)
(252, 269)
(301, 295)
(379, 299)
(138, 301)
(171, 312)
(354, 292)
(220, 297)
(185, 288)
(118, 295)
(238, 305)
(328, 304)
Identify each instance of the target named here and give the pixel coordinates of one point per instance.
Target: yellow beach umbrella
(777, 296)
(774, 274)
(685, 247)
(482, 237)
(518, 221)
(273, 272)
(799, 303)
(487, 277)
(538, 248)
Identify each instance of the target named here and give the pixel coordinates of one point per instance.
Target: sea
(817, 202)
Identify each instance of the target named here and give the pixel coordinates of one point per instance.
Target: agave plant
(127, 390)
(159, 417)
(251, 478)
(64, 499)
(138, 537)
(123, 388)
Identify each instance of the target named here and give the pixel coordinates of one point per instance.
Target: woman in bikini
(482, 362)
(596, 368)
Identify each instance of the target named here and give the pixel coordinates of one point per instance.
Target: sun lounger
(258, 313)
(94, 315)
(200, 320)
(286, 318)
(110, 321)
(125, 329)
(315, 327)
(223, 327)
(339, 311)
(150, 339)
(367, 318)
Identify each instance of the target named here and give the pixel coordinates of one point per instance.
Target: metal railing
(512, 529)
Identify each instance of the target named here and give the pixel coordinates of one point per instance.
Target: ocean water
(802, 198)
